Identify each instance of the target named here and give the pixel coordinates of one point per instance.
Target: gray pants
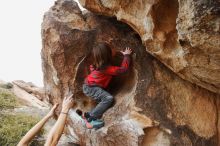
(103, 98)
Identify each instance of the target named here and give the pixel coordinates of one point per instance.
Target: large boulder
(153, 105)
(183, 34)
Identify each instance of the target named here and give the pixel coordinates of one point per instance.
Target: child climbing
(97, 81)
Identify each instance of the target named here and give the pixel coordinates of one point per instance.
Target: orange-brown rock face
(153, 105)
(184, 34)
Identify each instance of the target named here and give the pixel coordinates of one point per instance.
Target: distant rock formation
(30, 94)
(31, 89)
(151, 93)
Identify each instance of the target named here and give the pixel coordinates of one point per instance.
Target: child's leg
(103, 98)
(106, 101)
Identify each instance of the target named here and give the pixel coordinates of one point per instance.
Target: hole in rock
(164, 14)
(120, 36)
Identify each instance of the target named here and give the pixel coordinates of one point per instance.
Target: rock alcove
(153, 104)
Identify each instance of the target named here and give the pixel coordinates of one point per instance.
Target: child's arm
(36, 129)
(116, 70)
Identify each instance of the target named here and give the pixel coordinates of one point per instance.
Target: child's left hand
(127, 51)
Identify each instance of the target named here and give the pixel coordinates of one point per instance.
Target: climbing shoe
(89, 121)
(86, 115)
(96, 124)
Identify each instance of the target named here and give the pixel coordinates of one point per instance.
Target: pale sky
(20, 39)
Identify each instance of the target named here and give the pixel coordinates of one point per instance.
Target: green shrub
(14, 127)
(7, 99)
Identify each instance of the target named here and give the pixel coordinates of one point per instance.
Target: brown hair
(102, 54)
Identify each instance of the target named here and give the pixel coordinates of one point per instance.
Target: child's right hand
(127, 51)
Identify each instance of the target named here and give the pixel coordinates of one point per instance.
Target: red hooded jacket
(103, 77)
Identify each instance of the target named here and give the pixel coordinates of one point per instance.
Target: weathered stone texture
(153, 105)
(184, 34)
